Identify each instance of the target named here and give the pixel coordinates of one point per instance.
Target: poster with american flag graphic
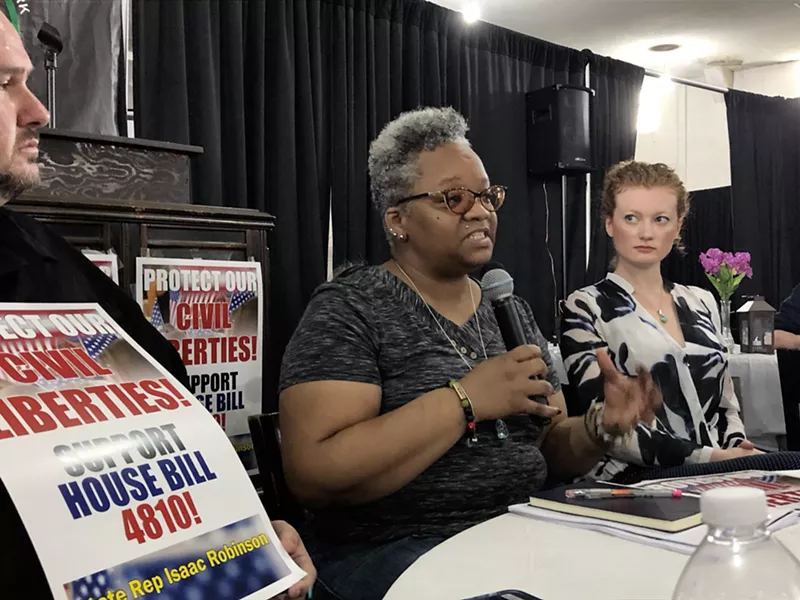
(106, 262)
(103, 450)
(212, 312)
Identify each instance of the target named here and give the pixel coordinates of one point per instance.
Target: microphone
(50, 38)
(498, 288)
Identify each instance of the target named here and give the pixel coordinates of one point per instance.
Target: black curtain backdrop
(764, 137)
(617, 86)
(708, 225)
(285, 96)
(390, 56)
(249, 81)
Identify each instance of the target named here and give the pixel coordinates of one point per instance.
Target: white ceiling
(756, 32)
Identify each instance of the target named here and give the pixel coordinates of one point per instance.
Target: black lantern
(757, 326)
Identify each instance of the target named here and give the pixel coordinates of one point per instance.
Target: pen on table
(611, 493)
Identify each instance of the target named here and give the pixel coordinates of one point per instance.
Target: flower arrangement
(726, 270)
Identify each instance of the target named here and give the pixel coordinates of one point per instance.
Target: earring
(402, 237)
(393, 232)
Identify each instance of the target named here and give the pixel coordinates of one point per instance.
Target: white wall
(662, 115)
(774, 80)
(686, 128)
(708, 157)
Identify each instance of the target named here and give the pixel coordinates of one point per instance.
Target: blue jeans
(363, 571)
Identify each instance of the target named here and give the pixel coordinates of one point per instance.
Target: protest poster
(782, 489)
(107, 263)
(212, 312)
(126, 486)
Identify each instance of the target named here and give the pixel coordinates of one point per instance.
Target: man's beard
(12, 185)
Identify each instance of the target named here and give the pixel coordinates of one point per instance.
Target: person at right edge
(37, 265)
(393, 365)
(641, 320)
(787, 322)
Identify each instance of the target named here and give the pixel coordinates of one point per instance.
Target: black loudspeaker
(558, 126)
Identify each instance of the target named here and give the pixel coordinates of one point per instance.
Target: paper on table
(781, 489)
(684, 542)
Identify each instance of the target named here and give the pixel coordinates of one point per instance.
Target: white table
(550, 561)
(759, 391)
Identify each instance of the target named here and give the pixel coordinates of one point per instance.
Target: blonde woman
(642, 320)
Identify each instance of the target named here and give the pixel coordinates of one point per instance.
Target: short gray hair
(394, 153)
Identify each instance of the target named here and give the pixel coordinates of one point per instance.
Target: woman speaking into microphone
(404, 419)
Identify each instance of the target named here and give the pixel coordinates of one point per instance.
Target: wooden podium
(134, 197)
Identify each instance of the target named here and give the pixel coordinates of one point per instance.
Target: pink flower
(712, 260)
(740, 263)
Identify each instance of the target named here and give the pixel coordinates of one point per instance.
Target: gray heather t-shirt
(368, 326)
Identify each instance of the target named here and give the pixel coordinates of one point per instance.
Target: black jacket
(788, 317)
(37, 265)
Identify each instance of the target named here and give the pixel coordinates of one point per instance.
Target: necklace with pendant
(661, 316)
(500, 427)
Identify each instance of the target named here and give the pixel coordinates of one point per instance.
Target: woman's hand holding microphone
(504, 386)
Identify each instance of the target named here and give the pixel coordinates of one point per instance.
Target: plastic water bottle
(739, 559)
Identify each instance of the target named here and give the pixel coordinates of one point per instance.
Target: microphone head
(497, 284)
(490, 266)
(51, 38)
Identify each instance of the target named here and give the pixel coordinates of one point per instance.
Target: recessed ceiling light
(664, 47)
(471, 12)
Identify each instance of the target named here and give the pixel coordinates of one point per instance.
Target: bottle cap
(734, 506)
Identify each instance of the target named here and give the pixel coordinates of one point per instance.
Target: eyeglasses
(461, 200)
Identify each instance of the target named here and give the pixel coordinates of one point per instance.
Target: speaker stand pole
(588, 200)
(564, 237)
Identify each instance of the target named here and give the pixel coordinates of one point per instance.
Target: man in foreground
(36, 265)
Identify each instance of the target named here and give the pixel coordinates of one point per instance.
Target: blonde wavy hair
(631, 174)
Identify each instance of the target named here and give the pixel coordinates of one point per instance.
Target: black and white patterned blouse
(700, 411)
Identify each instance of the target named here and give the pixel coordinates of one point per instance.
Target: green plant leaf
(724, 275)
(717, 286)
